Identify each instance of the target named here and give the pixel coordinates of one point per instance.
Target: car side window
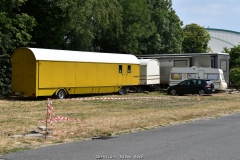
(193, 82)
(185, 83)
(198, 81)
(203, 82)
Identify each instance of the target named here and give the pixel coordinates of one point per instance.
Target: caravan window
(176, 76)
(223, 65)
(180, 63)
(213, 61)
(212, 76)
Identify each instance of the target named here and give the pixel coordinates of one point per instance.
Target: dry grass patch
(104, 117)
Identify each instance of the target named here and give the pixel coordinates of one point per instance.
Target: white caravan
(178, 74)
(149, 71)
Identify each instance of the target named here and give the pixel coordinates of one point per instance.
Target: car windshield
(184, 83)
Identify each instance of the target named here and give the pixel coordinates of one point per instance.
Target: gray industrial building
(221, 38)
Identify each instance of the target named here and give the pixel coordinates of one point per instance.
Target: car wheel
(122, 91)
(173, 92)
(61, 94)
(201, 92)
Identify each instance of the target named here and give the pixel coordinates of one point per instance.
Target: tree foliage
(132, 27)
(196, 39)
(5, 75)
(234, 64)
(148, 27)
(103, 16)
(167, 37)
(116, 26)
(234, 53)
(136, 26)
(14, 32)
(234, 76)
(71, 24)
(14, 26)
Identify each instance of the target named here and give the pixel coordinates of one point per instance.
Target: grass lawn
(106, 115)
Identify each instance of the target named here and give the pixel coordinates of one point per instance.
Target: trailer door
(24, 73)
(201, 74)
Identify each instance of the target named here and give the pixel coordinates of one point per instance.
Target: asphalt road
(206, 139)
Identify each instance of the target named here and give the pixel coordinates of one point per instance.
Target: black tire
(201, 92)
(173, 92)
(139, 90)
(122, 91)
(61, 93)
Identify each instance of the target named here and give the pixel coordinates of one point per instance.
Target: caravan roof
(79, 56)
(186, 55)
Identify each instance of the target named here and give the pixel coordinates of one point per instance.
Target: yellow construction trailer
(46, 72)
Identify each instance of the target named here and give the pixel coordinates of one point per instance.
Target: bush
(235, 76)
(5, 75)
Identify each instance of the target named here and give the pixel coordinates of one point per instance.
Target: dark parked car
(192, 86)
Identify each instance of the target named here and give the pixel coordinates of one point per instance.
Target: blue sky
(220, 14)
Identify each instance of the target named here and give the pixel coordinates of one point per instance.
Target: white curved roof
(79, 56)
(144, 62)
(221, 38)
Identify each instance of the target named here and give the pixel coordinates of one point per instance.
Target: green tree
(168, 36)
(5, 75)
(196, 39)
(134, 28)
(14, 26)
(234, 53)
(148, 27)
(14, 32)
(71, 24)
(51, 17)
(234, 76)
(137, 26)
(234, 64)
(103, 17)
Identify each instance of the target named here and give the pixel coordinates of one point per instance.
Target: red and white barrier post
(198, 98)
(50, 112)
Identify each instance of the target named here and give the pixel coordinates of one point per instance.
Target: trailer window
(223, 65)
(180, 63)
(129, 69)
(176, 76)
(212, 76)
(213, 62)
(120, 68)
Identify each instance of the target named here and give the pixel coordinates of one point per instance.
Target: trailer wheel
(139, 90)
(201, 92)
(173, 92)
(122, 91)
(61, 94)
